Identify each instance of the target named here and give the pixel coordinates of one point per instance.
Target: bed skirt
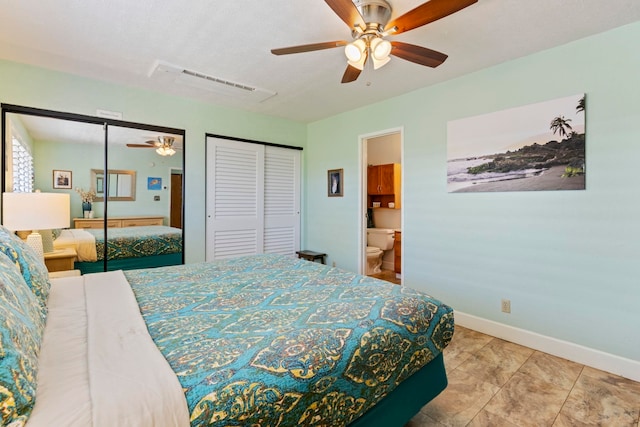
(130, 263)
(405, 401)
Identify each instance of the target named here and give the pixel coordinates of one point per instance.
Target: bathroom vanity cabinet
(383, 185)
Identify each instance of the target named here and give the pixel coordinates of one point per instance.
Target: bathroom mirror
(122, 184)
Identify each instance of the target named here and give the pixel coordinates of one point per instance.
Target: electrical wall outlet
(334, 263)
(506, 306)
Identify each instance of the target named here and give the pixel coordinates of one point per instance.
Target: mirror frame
(94, 179)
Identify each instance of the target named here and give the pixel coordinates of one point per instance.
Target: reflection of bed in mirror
(127, 247)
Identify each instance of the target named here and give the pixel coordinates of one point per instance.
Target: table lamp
(36, 211)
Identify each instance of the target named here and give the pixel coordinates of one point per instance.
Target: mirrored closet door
(124, 181)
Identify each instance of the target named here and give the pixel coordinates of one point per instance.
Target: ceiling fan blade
(140, 146)
(308, 47)
(428, 12)
(347, 11)
(351, 74)
(417, 54)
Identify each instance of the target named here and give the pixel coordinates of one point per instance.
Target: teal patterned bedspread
(136, 242)
(270, 340)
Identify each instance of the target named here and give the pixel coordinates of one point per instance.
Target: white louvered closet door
(235, 204)
(281, 201)
(253, 199)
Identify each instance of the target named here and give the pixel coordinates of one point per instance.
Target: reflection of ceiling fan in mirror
(163, 145)
(370, 27)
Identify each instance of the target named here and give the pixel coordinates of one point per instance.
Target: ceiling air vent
(166, 73)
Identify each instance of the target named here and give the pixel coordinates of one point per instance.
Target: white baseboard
(567, 350)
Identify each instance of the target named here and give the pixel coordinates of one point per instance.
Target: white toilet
(378, 241)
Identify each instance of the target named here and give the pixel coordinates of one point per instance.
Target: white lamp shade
(354, 51)
(359, 64)
(380, 49)
(35, 211)
(377, 63)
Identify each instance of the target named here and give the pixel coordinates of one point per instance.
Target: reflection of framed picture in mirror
(62, 179)
(154, 183)
(334, 184)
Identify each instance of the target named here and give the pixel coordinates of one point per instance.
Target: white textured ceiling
(46, 129)
(120, 40)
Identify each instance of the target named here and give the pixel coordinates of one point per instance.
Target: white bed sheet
(98, 365)
(82, 241)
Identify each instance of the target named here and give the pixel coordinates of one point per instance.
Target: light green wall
(81, 158)
(569, 261)
(35, 87)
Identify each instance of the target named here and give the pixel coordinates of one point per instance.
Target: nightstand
(311, 255)
(60, 259)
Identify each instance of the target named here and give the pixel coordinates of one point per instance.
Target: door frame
(362, 230)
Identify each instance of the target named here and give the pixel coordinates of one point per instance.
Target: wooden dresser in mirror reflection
(118, 222)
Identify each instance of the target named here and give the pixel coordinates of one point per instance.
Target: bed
(127, 248)
(265, 340)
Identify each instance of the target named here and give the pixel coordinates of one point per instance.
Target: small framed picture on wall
(334, 184)
(62, 179)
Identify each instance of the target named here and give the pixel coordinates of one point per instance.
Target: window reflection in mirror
(122, 184)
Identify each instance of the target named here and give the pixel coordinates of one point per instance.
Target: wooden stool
(311, 255)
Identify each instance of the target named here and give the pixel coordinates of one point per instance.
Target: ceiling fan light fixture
(354, 51)
(380, 49)
(369, 21)
(165, 151)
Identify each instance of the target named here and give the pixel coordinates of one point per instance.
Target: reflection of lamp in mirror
(36, 211)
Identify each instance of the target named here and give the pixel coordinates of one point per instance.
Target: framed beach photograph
(536, 147)
(334, 183)
(62, 179)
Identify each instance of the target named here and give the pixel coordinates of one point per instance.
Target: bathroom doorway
(381, 204)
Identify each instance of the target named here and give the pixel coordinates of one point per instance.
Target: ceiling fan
(163, 145)
(369, 23)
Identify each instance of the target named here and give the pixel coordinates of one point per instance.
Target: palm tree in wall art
(534, 147)
(560, 125)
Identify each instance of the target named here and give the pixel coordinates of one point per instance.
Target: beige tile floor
(493, 382)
